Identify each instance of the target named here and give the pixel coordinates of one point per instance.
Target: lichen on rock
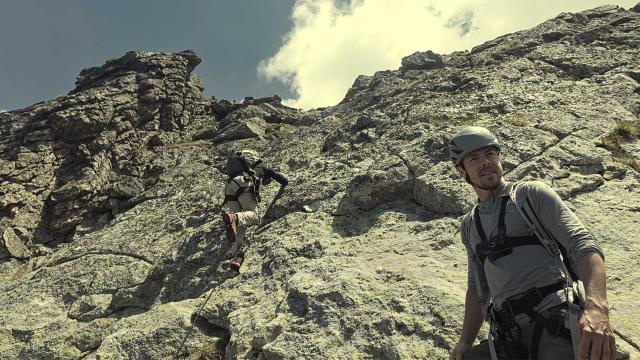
(112, 246)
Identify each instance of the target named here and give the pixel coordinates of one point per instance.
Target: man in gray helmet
(514, 236)
(247, 173)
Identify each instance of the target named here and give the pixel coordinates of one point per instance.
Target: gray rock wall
(111, 200)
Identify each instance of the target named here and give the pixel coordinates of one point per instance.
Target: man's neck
(486, 194)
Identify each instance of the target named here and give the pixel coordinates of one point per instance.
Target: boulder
(443, 191)
(427, 60)
(243, 129)
(384, 182)
(14, 245)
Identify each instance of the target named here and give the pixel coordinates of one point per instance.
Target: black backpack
(240, 166)
(237, 165)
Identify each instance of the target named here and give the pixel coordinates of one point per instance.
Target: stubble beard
(492, 180)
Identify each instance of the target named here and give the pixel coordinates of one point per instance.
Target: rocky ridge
(110, 200)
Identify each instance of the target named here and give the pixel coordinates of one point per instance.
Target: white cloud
(334, 41)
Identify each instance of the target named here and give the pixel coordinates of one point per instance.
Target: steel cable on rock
(197, 314)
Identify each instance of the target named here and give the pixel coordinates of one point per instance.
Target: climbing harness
(576, 297)
(503, 245)
(251, 185)
(515, 314)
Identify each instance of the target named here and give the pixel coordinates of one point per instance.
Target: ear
(461, 171)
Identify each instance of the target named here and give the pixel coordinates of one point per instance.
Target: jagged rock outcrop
(422, 61)
(110, 200)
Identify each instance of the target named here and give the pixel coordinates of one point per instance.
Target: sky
(307, 51)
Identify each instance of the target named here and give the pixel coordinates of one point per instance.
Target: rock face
(111, 239)
(422, 61)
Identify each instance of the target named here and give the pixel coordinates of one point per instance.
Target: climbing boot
(233, 251)
(231, 225)
(237, 262)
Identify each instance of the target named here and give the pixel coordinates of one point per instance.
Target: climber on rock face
(526, 251)
(247, 173)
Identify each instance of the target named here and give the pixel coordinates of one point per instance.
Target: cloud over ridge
(334, 41)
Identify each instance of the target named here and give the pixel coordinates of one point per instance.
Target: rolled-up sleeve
(561, 223)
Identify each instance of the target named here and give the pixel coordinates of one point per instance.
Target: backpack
(236, 165)
(240, 171)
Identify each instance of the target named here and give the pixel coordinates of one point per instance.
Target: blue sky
(307, 51)
(45, 44)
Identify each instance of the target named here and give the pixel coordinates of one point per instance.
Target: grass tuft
(625, 132)
(211, 351)
(208, 352)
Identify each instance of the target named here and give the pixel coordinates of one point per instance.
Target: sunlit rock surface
(110, 205)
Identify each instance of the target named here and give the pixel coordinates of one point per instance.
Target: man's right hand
(458, 352)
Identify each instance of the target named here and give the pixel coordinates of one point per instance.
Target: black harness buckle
(501, 244)
(495, 255)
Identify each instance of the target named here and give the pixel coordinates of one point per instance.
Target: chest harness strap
(500, 245)
(503, 324)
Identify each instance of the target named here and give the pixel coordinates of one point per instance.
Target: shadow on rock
(198, 266)
(349, 220)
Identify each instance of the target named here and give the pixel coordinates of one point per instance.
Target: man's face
(483, 167)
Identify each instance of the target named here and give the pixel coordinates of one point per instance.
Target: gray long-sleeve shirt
(530, 265)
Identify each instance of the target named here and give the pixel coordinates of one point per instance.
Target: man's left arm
(594, 328)
(277, 176)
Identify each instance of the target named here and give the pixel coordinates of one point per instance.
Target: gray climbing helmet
(468, 140)
(241, 162)
(251, 155)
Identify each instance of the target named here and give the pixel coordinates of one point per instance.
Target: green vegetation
(208, 352)
(512, 43)
(625, 132)
(211, 351)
